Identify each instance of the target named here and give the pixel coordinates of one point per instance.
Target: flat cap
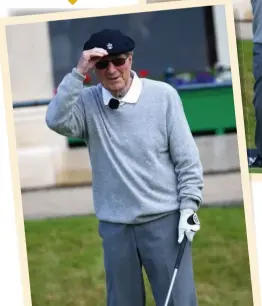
(113, 41)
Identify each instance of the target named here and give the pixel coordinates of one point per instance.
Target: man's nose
(111, 68)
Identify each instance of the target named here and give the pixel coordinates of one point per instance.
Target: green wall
(209, 109)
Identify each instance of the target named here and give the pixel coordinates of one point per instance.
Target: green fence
(210, 109)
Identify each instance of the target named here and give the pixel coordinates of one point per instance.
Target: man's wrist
(186, 212)
(76, 73)
(189, 204)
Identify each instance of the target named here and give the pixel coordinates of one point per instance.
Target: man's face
(114, 76)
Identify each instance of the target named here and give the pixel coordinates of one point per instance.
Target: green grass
(66, 263)
(247, 80)
(255, 170)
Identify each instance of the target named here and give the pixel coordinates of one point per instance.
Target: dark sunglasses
(103, 64)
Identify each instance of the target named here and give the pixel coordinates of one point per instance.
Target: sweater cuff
(189, 204)
(78, 75)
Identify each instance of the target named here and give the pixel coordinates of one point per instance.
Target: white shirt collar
(131, 96)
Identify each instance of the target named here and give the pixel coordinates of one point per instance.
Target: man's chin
(116, 87)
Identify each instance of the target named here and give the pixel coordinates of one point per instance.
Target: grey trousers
(257, 101)
(154, 246)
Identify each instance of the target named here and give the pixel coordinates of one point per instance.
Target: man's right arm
(65, 114)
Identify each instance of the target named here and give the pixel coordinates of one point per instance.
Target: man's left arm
(185, 156)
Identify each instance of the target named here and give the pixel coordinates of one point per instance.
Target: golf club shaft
(177, 264)
(171, 287)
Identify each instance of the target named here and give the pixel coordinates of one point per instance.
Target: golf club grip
(180, 252)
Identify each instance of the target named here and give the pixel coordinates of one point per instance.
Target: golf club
(177, 264)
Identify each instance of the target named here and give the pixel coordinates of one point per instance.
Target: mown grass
(66, 261)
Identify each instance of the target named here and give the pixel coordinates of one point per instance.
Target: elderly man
(257, 71)
(147, 174)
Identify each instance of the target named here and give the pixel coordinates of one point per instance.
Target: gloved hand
(188, 225)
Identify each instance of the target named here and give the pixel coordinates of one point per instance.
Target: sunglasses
(117, 62)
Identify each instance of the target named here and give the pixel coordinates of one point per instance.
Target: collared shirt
(131, 96)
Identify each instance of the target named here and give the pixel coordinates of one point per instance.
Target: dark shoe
(257, 163)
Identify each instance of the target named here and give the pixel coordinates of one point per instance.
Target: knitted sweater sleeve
(184, 154)
(65, 114)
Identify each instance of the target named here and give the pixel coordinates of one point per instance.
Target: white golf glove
(188, 225)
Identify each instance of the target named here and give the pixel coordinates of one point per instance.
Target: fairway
(66, 263)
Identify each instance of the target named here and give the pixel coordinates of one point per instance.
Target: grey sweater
(145, 163)
(257, 20)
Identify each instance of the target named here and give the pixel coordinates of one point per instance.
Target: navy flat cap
(113, 41)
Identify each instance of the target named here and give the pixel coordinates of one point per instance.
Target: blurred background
(243, 25)
(195, 62)
(186, 48)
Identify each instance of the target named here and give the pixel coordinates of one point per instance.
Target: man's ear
(132, 57)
